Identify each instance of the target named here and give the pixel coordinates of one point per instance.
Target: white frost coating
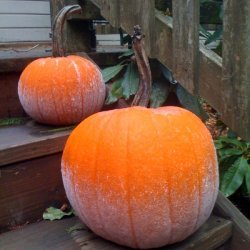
(77, 102)
(209, 191)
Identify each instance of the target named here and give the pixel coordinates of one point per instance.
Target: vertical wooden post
(186, 43)
(141, 12)
(236, 66)
(77, 33)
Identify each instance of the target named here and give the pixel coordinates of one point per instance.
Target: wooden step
(56, 235)
(29, 141)
(30, 175)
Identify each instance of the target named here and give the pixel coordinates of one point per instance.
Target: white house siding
(24, 21)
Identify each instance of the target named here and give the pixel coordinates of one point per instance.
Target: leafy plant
(234, 164)
(123, 82)
(53, 213)
(13, 121)
(215, 10)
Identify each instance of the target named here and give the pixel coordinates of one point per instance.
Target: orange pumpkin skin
(61, 91)
(141, 177)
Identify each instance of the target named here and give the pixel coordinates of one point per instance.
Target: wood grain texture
(24, 35)
(24, 21)
(236, 66)
(140, 13)
(241, 225)
(234, 106)
(29, 141)
(77, 35)
(9, 102)
(24, 7)
(186, 43)
(54, 235)
(28, 188)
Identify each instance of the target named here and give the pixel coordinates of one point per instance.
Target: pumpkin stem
(57, 30)
(145, 84)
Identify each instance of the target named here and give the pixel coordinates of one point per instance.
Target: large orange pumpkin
(61, 90)
(141, 177)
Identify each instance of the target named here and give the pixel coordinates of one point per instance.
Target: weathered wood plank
(28, 188)
(29, 141)
(24, 21)
(186, 43)
(24, 34)
(141, 13)
(236, 66)
(110, 10)
(211, 87)
(24, 7)
(77, 35)
(50, 235)
(40, 236)
(241, 225)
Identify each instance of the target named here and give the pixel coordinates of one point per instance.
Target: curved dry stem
(57, 30)
(145, 84)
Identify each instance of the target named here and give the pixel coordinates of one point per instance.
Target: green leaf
(13, 121)
(52, 213)
(247, 182)
(159, 94)
(219, 144)
(215, 36)
(130, 81)
(166, 73)
(234, 176)
(230, 141)
(128, 53)
(115, 93)
(190, 102)
(204, 32)
(111, 72)
(126, 39)
(230, 151)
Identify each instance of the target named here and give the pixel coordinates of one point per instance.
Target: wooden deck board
(28, 141)
(55, 235)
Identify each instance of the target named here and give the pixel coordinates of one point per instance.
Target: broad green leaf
(234, 176)
(115, 93)
(225, 164)
(229, 151)
(190, 102)
(215, 36)
(230, 141)
(247, 180)
(159, 94)
(116, 89)
(128, 53)
(204, 32)
(52, 213)
(13, 121)
(111, 72)
(166, 73)
(126, 39)
(219, 144)
(130, 81)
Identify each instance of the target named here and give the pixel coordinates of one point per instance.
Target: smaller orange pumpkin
(61, 90)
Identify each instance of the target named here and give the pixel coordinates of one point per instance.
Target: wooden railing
(225, 84)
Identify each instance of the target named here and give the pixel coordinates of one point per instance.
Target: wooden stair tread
(29, 141)
(55, 235)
